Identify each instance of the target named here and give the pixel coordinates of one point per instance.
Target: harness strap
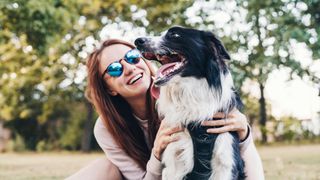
(203, 144)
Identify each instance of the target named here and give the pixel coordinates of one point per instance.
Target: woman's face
(135, 78)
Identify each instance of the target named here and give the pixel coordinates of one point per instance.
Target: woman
(128, 129)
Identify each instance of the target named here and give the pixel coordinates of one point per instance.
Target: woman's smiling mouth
(135, 78)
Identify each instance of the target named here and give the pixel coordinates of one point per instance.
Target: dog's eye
(173, 35)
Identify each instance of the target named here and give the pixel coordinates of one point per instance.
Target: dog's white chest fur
(187, 99)
(184, 100)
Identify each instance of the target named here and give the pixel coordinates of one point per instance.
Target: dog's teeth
(177, 66)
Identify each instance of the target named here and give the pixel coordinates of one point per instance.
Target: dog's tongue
(155, 91)
(164, 68)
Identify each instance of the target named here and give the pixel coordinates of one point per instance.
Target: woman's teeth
(136, 78)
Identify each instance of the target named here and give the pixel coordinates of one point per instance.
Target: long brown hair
(117, 114)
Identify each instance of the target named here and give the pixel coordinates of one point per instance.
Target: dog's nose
(140, 41)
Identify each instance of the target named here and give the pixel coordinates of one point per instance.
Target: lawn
(280, 162)
(291, 162)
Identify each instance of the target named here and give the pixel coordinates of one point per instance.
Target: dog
(194, 83)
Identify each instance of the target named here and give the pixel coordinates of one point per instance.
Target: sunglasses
(115, 69)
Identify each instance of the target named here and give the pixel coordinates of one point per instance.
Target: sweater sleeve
(252, 161)
(127, 166)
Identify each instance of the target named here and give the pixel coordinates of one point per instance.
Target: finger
(222, 115)
(221, 129)
(221, 122)
(239, 117)
(172, 130)
(163, 125)
(166, 140)
(174, 138)
(219, 115)
(168, 131)
(237, 114)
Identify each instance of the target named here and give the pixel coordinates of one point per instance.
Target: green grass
(291, 162)
(42, 166)
(280, 162)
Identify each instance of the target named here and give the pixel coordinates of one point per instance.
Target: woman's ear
(112, 93)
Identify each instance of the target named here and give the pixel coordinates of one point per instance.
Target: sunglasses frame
(121, 66)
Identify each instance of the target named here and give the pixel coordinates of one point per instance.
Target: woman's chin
(137, 89)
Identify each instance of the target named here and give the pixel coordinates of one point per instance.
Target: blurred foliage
(42, 95)
(292, 130)
(312, 29)
(43, 46)
(274, 27)
(290, 127)
(71, 138)
(39, 20)
(251, 109)
(16, 144)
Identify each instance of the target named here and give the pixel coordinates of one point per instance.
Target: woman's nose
(127, 67)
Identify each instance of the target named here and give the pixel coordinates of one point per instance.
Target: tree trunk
(2, 143)
(87, 130)
(263, 114)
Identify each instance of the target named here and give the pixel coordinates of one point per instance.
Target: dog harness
(203, 144)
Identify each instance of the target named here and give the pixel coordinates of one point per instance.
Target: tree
(274, 28)
(312, 26)
(43, 49)
(30, 73)
(260, 36)
(96, 14)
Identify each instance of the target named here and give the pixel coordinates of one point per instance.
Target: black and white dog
(195, 83)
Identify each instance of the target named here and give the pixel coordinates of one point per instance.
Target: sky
(296, 98)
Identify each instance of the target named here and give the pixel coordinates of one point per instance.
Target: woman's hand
(164, 137)
(235, 121)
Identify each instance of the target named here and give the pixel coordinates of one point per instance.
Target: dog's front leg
(222, 158)
(178, 157)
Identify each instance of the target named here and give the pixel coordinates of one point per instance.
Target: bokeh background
(46, 122)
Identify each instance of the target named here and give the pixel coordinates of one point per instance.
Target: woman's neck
(139, 107)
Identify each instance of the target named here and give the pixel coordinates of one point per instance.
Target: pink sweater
(131, 170)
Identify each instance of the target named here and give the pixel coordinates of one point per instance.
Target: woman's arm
(127, 166)
(253, 164)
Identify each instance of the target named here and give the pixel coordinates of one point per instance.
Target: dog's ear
(218, 46)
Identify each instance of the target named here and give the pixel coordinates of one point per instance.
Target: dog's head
(187, 52)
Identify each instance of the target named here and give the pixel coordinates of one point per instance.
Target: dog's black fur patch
(204, 53)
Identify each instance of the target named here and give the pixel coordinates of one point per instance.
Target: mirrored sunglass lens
(115, 69)
(133, 56)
